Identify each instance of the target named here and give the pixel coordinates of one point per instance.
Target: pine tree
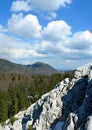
(3, 106)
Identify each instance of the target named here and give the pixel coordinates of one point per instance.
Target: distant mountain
(36, 68)
(42, 68)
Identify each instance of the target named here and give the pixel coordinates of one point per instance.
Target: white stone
(63, 98)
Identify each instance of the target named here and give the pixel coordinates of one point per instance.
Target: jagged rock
(84, 110)
(88, 125)
(69, 102)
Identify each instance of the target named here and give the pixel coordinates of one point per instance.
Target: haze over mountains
(36, 68)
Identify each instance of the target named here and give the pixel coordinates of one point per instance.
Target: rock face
(69, 102)
(80, 118)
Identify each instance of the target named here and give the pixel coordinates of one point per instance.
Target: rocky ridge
(69, 102)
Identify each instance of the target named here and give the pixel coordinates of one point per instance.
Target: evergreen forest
(16, 90)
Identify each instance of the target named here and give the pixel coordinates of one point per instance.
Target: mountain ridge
(36, 68)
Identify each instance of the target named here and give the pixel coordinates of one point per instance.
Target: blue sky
(58, 33)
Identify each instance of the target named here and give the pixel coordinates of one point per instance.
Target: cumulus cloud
(16, 49)
(20, 5)
(56, 30)
(47, 48)
(77, 46)
(56, 40)
(26, 5)
(25, 26)
(49, 6)
(81, 41)
(44, 7)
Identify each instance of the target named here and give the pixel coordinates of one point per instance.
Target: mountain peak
(36, 68)
(39, 64)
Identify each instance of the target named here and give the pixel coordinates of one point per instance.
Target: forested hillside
(31, 69)
(18, 91)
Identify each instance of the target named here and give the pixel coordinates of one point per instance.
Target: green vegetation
(15, 89)
(30, 128)
(12, 120)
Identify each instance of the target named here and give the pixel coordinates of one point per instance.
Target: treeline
(17, 88)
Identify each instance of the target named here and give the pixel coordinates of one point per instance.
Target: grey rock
(69, 102)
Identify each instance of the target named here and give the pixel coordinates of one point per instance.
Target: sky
(57, 32)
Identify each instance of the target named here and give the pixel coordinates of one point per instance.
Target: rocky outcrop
(81, 117)
(69, 102)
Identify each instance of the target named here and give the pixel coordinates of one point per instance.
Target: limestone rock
(69, 102)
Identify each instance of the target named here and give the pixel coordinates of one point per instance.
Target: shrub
(12, 120)
(30, 128)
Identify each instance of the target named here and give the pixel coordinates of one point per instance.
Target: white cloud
(78, 46)
(46, 7)
(53, 15)
(1, 28)
(57, 41)
(50, 16)
(20, 5)
(56, 30)
(47, 48)
(81, 41)
(16, 49)
(26, 26)
(69, 61)
(49, 5)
